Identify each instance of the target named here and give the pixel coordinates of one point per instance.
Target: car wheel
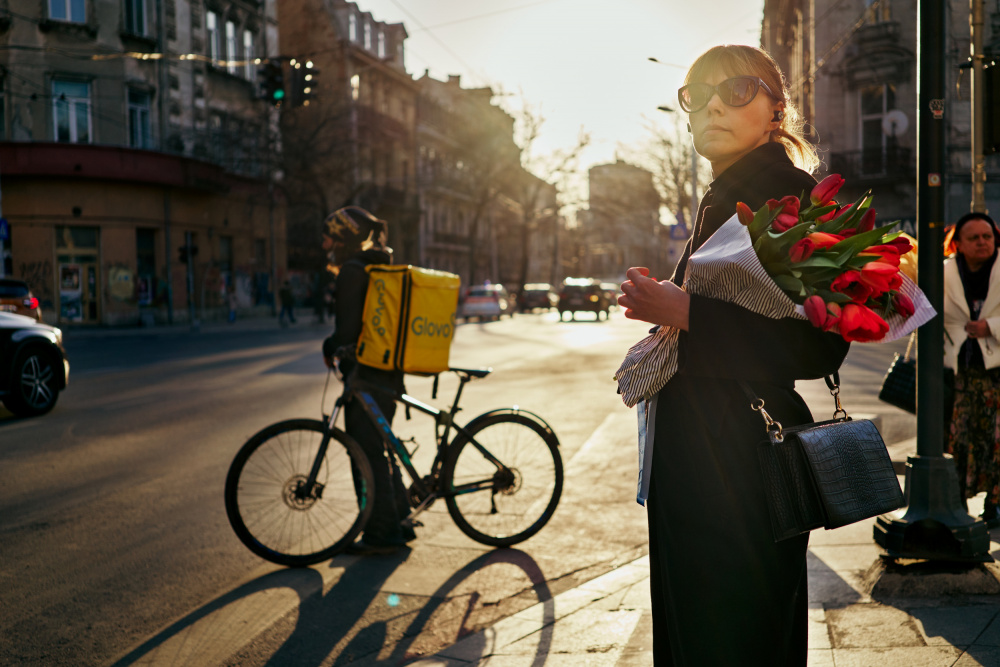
(35, 384)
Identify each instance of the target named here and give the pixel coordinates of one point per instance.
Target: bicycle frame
(363, 391)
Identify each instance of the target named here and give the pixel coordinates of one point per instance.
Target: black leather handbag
(827, 474)
(899, 386)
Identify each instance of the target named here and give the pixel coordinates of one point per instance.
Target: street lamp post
(933, 525)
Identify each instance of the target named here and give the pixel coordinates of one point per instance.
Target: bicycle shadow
(314, 621)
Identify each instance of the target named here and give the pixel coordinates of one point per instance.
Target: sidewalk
(607, 621)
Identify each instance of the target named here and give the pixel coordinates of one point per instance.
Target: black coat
(723, 592)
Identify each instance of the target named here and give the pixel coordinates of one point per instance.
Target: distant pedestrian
(231, 302)
(724, 593)
(287, 303)
(972, 350)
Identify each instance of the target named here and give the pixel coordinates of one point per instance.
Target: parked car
(583, 294)
(15, 297)
(537, 295)
(486, 302)
(33, 365)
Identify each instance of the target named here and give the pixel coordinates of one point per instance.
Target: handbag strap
(773, 427)
(909, 346)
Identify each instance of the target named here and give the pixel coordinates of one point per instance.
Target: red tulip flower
(859, 323)
(789, 215)
(867, 221)
(849, 283)
(886, 253)
(744, 214)
(826, 190)
(821, 315)
(801, 250)
(903, 304)
(880, 277)
(902, 244)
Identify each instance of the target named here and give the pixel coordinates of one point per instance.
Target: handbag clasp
(773, 427)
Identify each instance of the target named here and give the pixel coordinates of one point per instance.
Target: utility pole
(933, 525)
(976, 103)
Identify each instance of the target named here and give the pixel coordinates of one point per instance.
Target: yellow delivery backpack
(409, 318)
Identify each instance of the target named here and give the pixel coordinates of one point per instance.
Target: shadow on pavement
(353, 620)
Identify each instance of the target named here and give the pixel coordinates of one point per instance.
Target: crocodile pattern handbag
(827, 474)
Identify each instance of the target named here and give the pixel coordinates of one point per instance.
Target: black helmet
(355, 228)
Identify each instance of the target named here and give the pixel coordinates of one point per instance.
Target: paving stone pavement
(607, 621)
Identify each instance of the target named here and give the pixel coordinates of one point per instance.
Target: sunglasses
(738, 91)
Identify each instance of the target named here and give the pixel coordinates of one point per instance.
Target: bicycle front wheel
(273, 513)
(502, 485)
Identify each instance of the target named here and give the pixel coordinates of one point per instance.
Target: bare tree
(541, 189)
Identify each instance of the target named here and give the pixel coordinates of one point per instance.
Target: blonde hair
(742, 60)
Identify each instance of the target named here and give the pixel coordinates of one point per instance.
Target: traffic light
(991, 108)
(271, 81)
(303, 83)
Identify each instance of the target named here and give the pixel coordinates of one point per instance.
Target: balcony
(878, 167)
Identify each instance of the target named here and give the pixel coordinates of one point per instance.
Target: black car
(537, 295)
(33, 365)
(583, 294)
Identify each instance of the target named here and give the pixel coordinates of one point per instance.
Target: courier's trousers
(391, 504)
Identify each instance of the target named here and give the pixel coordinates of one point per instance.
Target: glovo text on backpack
(409, 319)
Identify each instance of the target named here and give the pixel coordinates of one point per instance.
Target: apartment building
(130, 132)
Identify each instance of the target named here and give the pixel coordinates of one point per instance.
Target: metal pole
(977, 106)
(933, 525)
(169, 255)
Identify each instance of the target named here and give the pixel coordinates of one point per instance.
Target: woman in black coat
(724, 593)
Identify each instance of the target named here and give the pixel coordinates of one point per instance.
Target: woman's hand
(977, 329)
(656, 302)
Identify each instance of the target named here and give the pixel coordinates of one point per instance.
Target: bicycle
(300, 491)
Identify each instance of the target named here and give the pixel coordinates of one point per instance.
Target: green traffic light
(279, 94)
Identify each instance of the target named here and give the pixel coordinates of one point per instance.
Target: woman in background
(972, 350)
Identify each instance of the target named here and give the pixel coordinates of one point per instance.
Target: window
(68, 10)
(138, 119)
(135, 17)
(249, 69)
(381, 44)
(352, 27)
(876, 102)
(231, 54)
(212, 28)
(71, 111)
(368, 35)
(355, 87)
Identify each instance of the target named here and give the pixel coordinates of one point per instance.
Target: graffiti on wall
(38, 275)
(121, 282)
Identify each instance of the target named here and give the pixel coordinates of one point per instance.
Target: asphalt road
(115, 548)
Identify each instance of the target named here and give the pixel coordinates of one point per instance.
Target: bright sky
(580, 62)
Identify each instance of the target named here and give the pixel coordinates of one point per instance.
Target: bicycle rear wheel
(266, 503)
(501, 505)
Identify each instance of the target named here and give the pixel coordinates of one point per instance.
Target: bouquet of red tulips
(819, 261)
(833, 260)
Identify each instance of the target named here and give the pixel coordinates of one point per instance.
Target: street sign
(4, 229)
